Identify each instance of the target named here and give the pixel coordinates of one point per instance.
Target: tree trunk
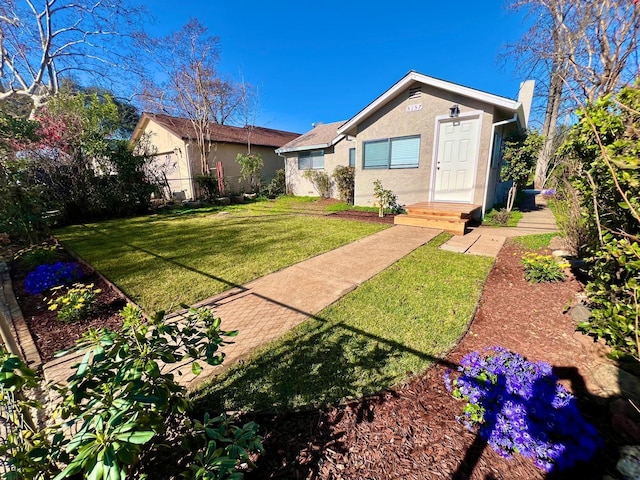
(550, 128)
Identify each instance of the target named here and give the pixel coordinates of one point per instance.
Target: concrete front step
(455, 226)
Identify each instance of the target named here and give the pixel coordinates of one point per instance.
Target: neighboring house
(178, 156)
(425, 139)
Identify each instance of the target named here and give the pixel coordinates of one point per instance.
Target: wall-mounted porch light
(454, 111)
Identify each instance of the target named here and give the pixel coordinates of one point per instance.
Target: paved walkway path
(265, 308)
(536, 218)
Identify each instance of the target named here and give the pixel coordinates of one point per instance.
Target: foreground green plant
(37, 254)
(542, 268)
(74, 304)
(120, 399)
(502, 218)
(385, 199)
(605, 145)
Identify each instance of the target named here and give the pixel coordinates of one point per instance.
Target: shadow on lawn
(319, 366)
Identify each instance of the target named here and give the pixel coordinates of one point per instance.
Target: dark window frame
(389, 165)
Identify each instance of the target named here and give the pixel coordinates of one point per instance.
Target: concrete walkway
(537, 218)
(264, 309)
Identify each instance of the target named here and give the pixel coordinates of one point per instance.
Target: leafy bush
(114, 411)
(604, 147)
(320, 181)
(47, 276)
(498, 217)
(518, 406)
(75, 304)
(208, 183)
(614, 306)
(278, 184)
(37, 254)
(386, 199)
(542, 268)
(250, 166)
(220, 446)
(345, 177)
(520, 155)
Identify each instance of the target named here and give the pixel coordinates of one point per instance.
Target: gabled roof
(183, 128)
(411, 77)
(321, 136)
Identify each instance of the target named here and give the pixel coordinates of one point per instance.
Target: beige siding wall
(333, 157)
(394, 120)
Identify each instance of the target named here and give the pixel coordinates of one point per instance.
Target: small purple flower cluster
(48, 276)
(519, 407)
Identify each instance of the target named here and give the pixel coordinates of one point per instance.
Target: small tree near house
(520, 154)
(250, 166)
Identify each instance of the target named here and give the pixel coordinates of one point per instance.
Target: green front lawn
(389, 328)
(161, 261)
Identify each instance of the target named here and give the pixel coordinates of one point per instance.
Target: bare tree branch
(39, 39)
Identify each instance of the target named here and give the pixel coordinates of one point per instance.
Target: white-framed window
(313, 160)
(399, 152)
(352, 157)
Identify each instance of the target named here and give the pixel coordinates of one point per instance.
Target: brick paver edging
(12, 317)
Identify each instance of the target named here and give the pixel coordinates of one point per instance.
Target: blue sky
(324, 61)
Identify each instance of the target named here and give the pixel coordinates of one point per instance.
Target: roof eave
(302, 148)
(434, 82)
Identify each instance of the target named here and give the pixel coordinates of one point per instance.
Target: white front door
(456, 159)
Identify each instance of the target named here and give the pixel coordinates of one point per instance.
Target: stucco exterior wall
(171, 157)
(394, 119)
(180, 160)
(333, 157)
(227, 152)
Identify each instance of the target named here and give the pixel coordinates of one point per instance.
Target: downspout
(493, 142)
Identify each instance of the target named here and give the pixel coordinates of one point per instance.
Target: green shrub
(320, 181)
(208, 183)
(498, 217)
(75, 304)
(542, 268)
(605, 147)
(278, 185)
(250, 166)
(37, 255)
(385, 199)
(114, 410)
(345, 182)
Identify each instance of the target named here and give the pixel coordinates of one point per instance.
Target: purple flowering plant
(518, 406)
(47, 276)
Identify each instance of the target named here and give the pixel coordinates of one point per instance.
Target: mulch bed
(50, 334)
(364, 216)
(411, 432)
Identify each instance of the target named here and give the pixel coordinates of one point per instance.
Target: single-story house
(428, 140)
(177, 156)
